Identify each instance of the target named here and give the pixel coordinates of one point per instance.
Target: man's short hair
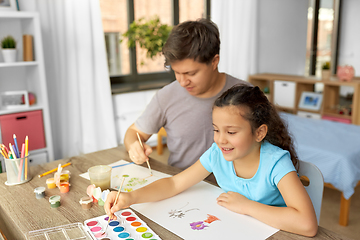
(198, 40)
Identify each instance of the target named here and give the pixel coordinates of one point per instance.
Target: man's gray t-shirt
(186, 119)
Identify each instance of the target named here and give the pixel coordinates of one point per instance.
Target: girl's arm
(298, 217)
(158, 190)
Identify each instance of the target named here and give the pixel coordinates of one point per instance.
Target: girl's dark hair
(198, 40)
(261, 111)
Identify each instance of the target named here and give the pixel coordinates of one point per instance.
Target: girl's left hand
(233, 201)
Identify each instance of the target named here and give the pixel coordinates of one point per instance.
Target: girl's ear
(261, 132)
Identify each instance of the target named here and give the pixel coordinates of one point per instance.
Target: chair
(315, 188)
(160, 135)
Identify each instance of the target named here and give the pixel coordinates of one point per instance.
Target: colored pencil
(4, 153)
(16, 149)
(15, 166)
(4, 147)
(12, 151)
(26, 154)
(141, 144)
(22, 165)
(54, 170)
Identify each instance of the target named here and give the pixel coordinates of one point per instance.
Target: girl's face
(232, 133)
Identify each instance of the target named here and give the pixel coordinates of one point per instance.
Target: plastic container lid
(85, 200)
(39, 190)
(50, 180)
(54, 199)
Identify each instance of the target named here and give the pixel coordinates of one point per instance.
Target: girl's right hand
(123, 201)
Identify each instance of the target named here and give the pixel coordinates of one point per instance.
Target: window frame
(335, 38)
(144, 81)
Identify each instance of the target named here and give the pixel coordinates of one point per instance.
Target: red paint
(126, 213)
(130, 219)
(92, 223)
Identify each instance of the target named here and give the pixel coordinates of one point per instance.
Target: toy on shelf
(345, 73)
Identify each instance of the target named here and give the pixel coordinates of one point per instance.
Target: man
(184, 107)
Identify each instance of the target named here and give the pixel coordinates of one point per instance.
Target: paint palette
(128, 226)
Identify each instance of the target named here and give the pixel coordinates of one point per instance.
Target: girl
(253, 160)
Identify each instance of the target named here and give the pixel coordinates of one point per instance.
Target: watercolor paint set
(127, 226)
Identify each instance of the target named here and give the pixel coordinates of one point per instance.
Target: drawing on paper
(133, 182)
(200, 225)
(178, 213)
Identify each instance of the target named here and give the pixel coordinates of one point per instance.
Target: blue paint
(114, 223)
(118, 229)
(124, 235)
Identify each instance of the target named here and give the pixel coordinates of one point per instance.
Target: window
(322, 37)
(130, 69)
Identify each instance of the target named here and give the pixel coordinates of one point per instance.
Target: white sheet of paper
(138, 176)
(192, 214)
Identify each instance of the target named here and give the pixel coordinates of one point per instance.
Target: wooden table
(21, 212)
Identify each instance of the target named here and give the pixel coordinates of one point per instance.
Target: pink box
(336, 119)
(23, 124)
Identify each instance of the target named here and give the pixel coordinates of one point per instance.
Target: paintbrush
(141, 144)
(117, 196)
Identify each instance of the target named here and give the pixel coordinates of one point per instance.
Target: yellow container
(50, 183)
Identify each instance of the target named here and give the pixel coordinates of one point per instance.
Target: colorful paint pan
(141, 229)
(136, 224)
(147, 235)
(126, 214)
(130, 219)
(100, 235)
(114, 223)
(124, 235)
(96, 229)
(135, 229)
(119, 229)
(92, 223)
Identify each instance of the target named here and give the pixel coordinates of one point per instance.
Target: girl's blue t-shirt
(274, 164)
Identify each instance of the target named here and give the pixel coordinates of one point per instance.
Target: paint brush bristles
(117, 196)
(141, 144)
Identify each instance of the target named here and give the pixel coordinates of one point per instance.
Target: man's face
(197, 78)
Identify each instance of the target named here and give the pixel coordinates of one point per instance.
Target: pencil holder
(17, 171)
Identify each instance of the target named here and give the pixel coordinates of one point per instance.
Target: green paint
(147, 235)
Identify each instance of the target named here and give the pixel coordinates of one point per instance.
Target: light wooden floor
(329, 211)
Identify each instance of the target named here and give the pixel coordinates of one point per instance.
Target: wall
(282, 36)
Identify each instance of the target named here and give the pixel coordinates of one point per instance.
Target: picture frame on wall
(310, 101)
(8, 5)
(14, 100)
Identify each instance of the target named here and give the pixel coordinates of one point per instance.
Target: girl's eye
(216, 130)
(231, 132)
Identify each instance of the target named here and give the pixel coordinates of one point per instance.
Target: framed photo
(8, 5)
(14, 99)
(310, 101)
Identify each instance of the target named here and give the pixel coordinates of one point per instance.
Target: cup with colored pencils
(16, 162)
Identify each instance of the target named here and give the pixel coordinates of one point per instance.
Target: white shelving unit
(27, 76)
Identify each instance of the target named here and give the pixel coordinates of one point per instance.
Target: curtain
(77, 75)
(237, 22)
